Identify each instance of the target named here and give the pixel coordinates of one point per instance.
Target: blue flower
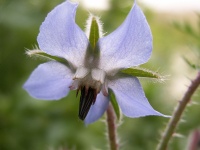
(129, 45)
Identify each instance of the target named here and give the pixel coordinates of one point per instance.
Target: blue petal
(129, 45)
(60, 35)
(49, 81)
(131, 98)
(98, 109)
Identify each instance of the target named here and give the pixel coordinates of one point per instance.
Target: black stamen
(88, 97)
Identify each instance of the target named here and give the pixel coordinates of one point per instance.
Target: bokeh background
(30, 124)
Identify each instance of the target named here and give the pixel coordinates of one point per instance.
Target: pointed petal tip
(131, 98)
(129, 45)
(60, 35)
(135, 3)
(75, 4)
(145, 114)
(166, 116)
(156, 113)
(159, 114)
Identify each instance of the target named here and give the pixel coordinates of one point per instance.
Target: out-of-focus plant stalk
(194, 140)
(171, 126)
(111, 123)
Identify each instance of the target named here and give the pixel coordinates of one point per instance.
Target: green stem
(112, 135)
(171, 126)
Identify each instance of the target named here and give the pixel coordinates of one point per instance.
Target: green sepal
(94, 28)
(114, 104)
(41, 54)
(140, 72)
(94, 32)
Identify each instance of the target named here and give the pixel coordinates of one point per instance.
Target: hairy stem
(111, 123)
(171, 126)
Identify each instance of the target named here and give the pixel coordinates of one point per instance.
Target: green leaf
(140, 72)
(114, 104)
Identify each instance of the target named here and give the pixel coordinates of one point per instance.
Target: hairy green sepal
(114, 104)
(41, 54)
(94, 34)
(140, 72)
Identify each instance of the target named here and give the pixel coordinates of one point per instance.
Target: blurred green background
(29, 124)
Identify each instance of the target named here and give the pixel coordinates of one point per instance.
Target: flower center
(90, 82)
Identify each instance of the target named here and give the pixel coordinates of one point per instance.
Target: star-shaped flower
(93, 70)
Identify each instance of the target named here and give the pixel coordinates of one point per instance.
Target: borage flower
(92, 65)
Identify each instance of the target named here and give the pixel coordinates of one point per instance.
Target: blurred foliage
(29, 124)
(194, 33)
